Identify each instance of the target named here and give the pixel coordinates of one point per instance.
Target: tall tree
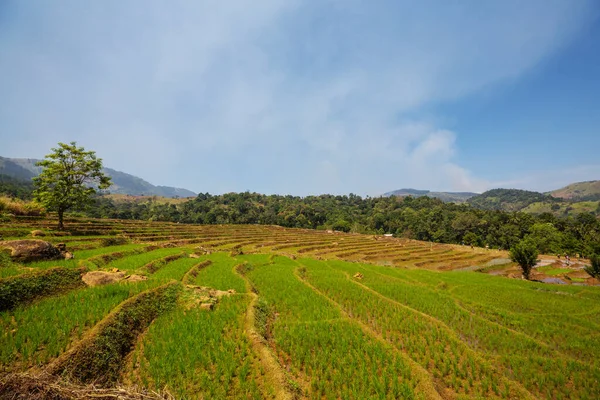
(69, 178)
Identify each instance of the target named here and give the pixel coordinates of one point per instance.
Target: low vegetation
(265, 312)
(20, 289)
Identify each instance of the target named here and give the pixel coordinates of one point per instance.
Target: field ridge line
(87, 338)
(443, 325)
(275, 374)
(194, 271)
(425, 382)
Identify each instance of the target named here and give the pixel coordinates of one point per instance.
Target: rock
(96, 278)
(37, 232)
(61, 247)
(136, 278)
(68, 255)
(194, 255)
(32, 250)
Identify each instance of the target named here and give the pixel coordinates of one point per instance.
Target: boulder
(32, 250)
(96, 278)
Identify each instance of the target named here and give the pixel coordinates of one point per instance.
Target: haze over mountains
(123, 183)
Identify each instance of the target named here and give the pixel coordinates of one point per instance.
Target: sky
(309, 97)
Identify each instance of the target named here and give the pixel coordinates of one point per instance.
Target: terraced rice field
(259, 312)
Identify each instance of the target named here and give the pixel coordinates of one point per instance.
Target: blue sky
(308, 97)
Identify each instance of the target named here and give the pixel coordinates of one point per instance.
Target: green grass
(219, 274)
(175, 269)
(506, 346)
(32, 335)
(395, 333)
(200, 354)
(310, 333)
(134, 262)
(557, 271)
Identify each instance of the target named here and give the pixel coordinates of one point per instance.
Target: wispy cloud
(273, 96)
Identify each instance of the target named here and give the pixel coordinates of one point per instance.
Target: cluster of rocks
(205, 298)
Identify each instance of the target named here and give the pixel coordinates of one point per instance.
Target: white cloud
(274, 96)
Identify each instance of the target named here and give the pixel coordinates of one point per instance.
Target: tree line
(420, 218)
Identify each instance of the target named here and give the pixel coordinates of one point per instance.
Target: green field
(259, 312)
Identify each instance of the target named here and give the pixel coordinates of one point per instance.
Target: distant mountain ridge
(447, 197)
(581, 191)
(581, 197)
(507, 199)
(123, 183)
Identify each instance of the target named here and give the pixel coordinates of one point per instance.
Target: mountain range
(580, 197)
(25, 169)
(448, 197)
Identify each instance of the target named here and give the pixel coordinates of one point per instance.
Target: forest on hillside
(421, 218)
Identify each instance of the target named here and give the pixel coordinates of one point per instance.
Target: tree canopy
(69, 178)
(525, 253)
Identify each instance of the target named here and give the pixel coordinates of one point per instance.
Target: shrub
(594, 268)
(525, 254)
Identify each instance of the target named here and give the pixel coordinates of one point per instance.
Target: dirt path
(274, 373)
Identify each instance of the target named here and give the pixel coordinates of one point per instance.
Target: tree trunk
(60, 219)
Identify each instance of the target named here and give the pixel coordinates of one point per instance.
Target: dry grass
(44, 387)
(20, 207)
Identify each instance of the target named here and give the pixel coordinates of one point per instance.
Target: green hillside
(580, 191)
(507, 199)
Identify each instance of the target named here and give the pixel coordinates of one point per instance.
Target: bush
(594, 268)
(525, 254)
